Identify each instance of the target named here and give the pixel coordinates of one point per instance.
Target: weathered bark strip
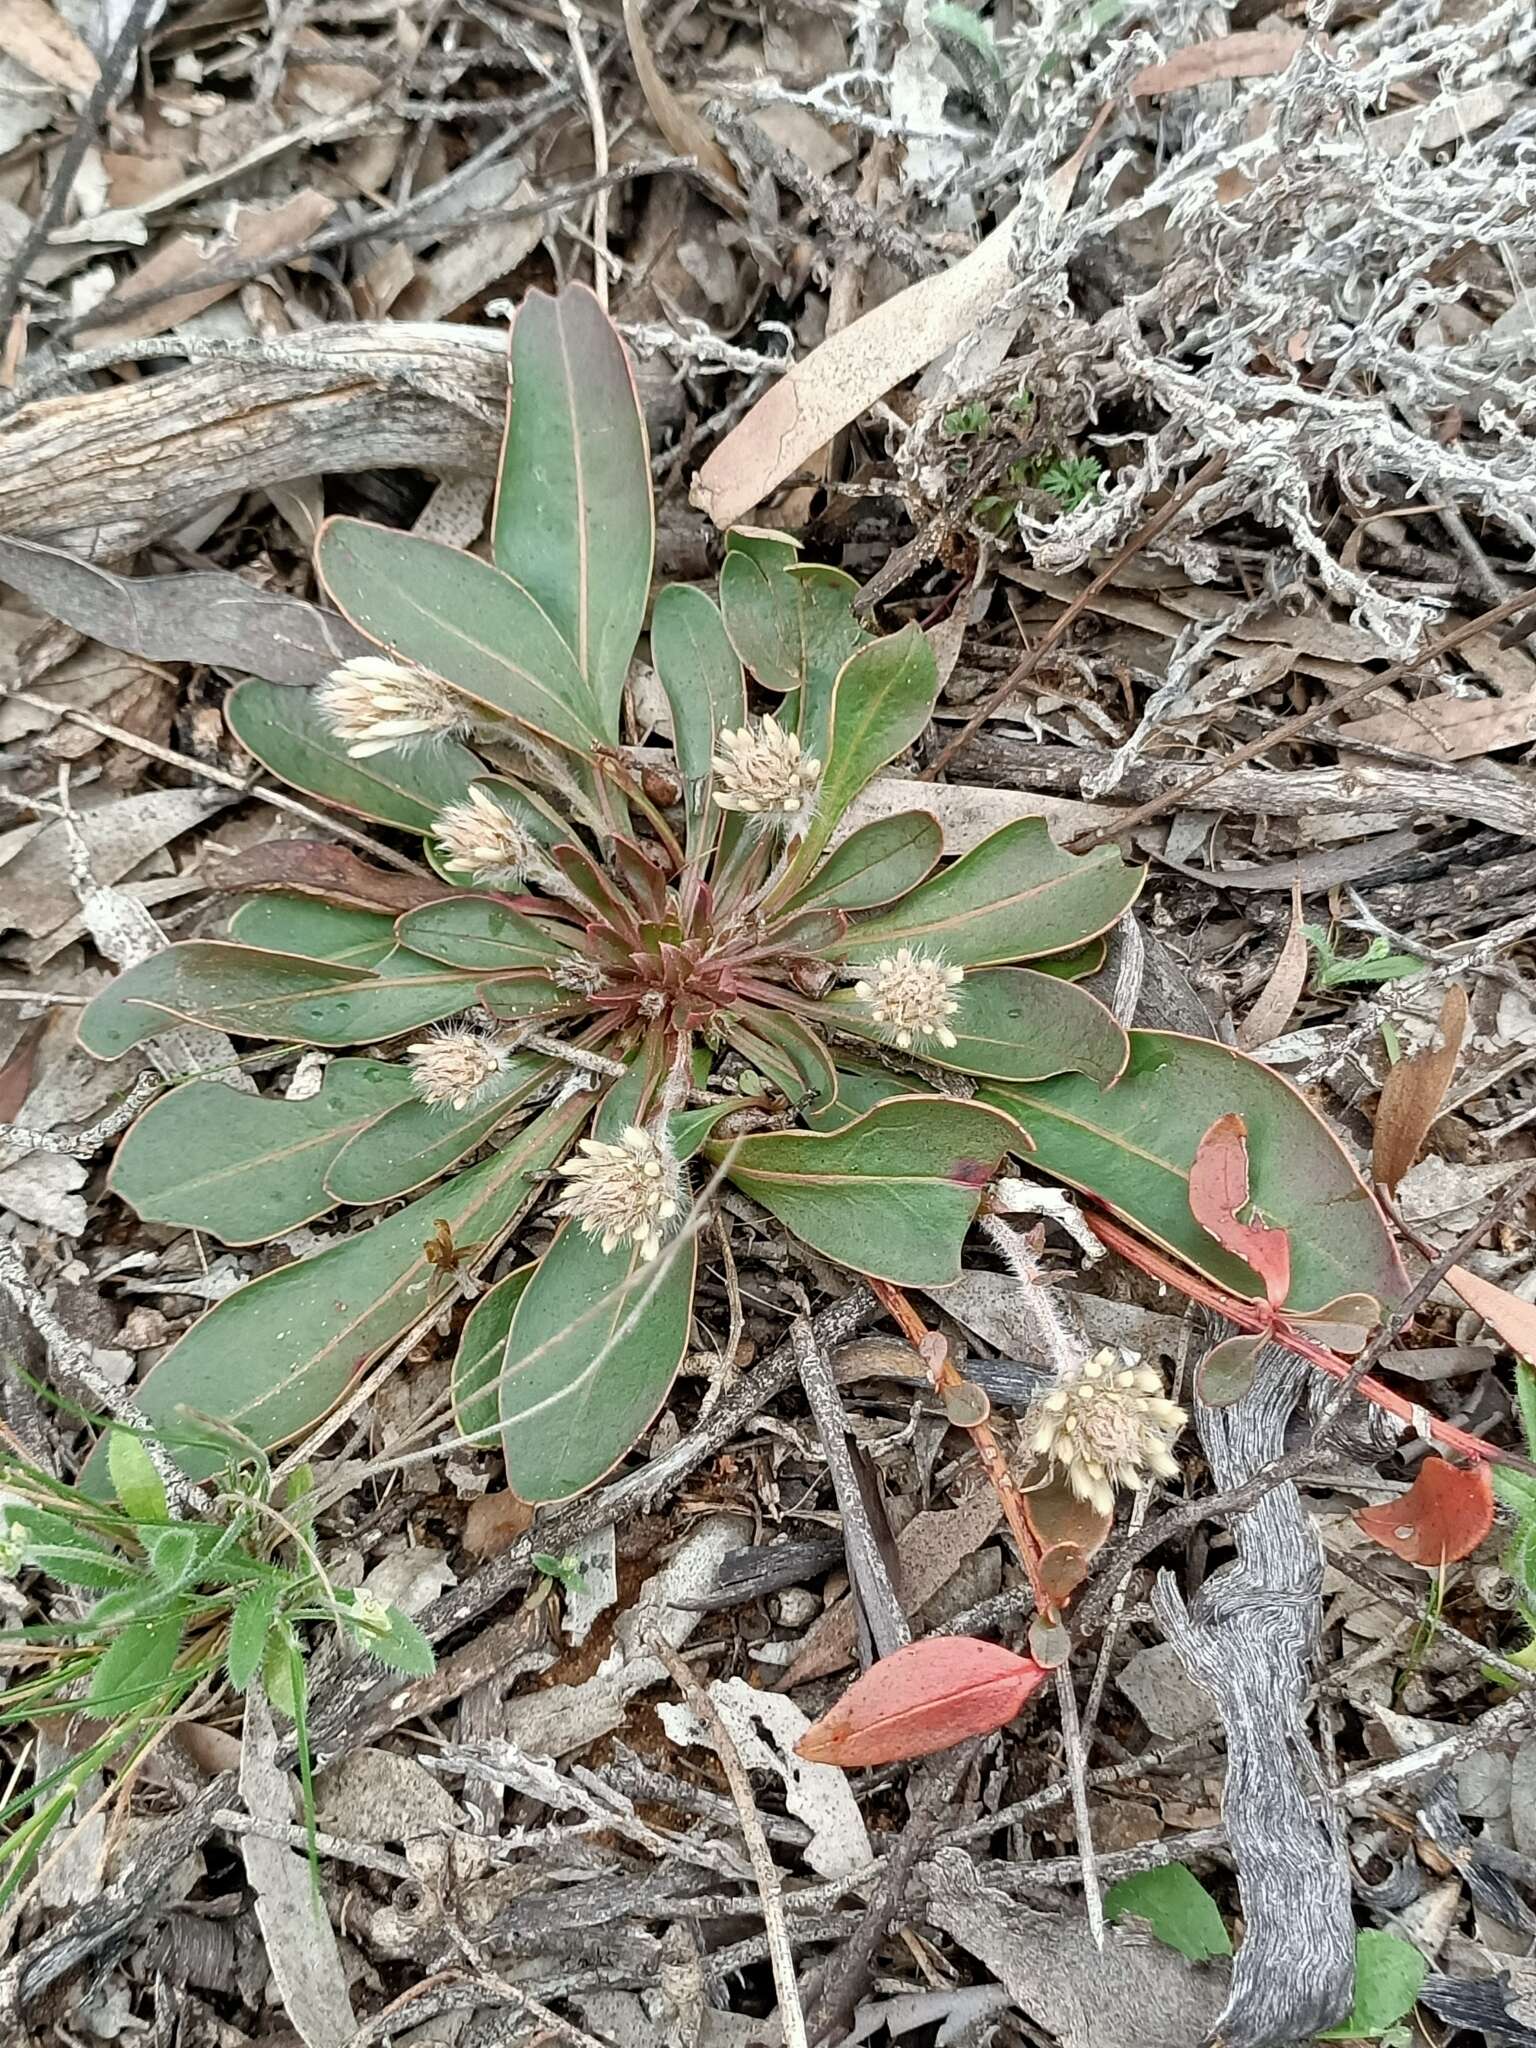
(1246, 1639)
(102, 472)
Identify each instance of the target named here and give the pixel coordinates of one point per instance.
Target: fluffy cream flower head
(374, 704)
(761, 770)
(909, 993)
(1106, 1426)
(623, 1193)
(481, 840)
(453, 1065)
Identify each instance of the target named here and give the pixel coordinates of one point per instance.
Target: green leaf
(791, 623)
(881, 702)
(481, 933)
(1015, 897)
(279, 921)
(1176, 1906)
(859, 1090)
(246, 1168)
(135, 1668)
(248, 1630)
(462, 619)
(700, 673)
(173, 1552)
(476, 1369)
(1011, 1025)
(892, 1194)
(574, 521)
(398, 1643)
(407, 786)
(278, 1354)
(687, 1130)
(67, 1553)
(595, 1342)
(413, 1142)
(1525, 1394)
(269, 995)
(282, 1670)
(1132, 1146)
(1389, 1975)
(787, 1051)
(134, 1479)
(876, 864)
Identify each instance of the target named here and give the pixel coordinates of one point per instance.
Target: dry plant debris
(1168, 373)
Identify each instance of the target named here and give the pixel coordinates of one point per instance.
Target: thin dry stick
(1033, 656)
(1293, 728)
(1076, 1754)
(83, 1144)
(204, 772)
(570, 14)
(764, 1869)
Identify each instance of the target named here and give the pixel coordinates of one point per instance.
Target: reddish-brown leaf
(927, 1696)
(1218, 1188)
(1444, 1515)
(1412, 1094)
(313, 868)
(1514, 1319)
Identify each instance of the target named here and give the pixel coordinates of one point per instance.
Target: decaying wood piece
(103, 472)
(1246, 1639)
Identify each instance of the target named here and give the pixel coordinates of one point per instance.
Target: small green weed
(1378, 963)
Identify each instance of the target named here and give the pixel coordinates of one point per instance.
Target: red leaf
(1218, 1188)
(1444, 1515)
(928, 1696)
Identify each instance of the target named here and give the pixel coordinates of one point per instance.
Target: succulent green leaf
(690, 1127)
(134, 1670)
(407, 786)
(892, 1194)
(270, 995)
(1074, 966)
(1017, 896)
(477, 1367)
(1132, 1147)
(521, 997)
(412, 1142)
(283, 922)
(481, 934)
(248, 1167)
(574, 520)
(876, 864)
(791, 623)
(1389, 1975)
(700, 673)
(772, 550)
(595, 1342)
(464, 620)
(859, 1090)
(134, 1479)
(276, 1356)
(1012, 1025)
(248, 1630)
(882, 700)
(787, 1051)
(1176, 1906)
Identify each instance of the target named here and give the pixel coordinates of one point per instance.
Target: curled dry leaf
(1413, 1092)
(926, 1697)
(1443, 1516)
(1272, 1012)
(1226, 1372)
(679, 124)
(311, 867)
(1218, 1188)
(1070, 1532)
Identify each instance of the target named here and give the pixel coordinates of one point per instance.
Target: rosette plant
(615, 978)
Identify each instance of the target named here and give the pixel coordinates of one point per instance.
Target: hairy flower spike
(481, 840)
(453, 1065)
(761, 770)
(374, 704)
(622, 1193)
(1106, 1425)
(910, 996)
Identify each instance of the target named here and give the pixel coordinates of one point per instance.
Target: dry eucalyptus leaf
(1413, 1092)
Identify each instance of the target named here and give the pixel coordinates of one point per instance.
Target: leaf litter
(1029, 296)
